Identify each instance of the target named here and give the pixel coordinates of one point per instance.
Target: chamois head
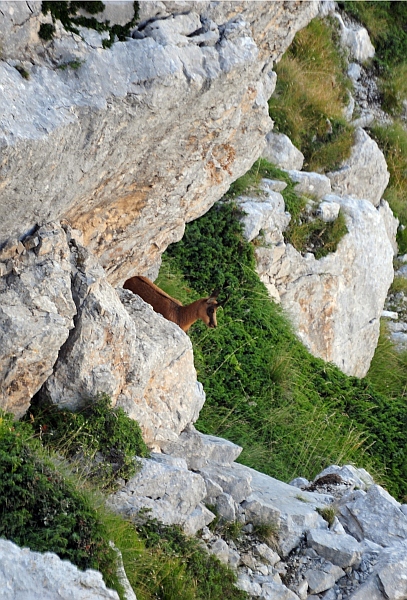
(208, 309)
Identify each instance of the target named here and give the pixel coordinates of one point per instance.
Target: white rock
(244, 583)
(319, 581)
(390, 314)
(233, 480)
(357, 40)
(375, 516)
(391, 223)
(300, 482)
(173, 495)
(359, 478)
(341, 550)
(276, 591)
(33, 576)
(199, 449)
(281, 151)
(226, 507)
(310, 184)
(220, 549)
(267, 554)
(334, 303)
(388, 581)
(364, 174)
(266, 212)
(328, 211)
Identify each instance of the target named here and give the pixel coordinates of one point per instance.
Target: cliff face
(144, 136)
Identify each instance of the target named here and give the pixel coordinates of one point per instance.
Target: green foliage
(292, 413)
(73, 64)
(328, 513)
(388, 369)
(97, 431)
(311, 95)
(66, 12)
(195, 574)
(42, 509)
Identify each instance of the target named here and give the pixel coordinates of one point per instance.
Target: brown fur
(172, 309)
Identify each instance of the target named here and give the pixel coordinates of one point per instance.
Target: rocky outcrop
(27, 574)
(149, 133)
(317, 294)
(339, 536)
(118, 346)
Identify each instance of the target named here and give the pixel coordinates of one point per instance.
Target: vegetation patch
(311, 95)
(194, 574)
(103, 441)
(67, 13)
(385, 22)
(42, 509)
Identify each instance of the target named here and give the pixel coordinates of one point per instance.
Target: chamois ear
(213, 295)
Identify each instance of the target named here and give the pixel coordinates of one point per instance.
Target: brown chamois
(172, 309)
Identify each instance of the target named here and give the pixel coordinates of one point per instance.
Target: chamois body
(172, 309)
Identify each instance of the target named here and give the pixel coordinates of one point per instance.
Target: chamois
(172, 309)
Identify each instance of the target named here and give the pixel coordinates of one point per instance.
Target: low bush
(104, 441)
(42, 509)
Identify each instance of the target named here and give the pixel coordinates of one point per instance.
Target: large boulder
(141, 137)
(35, 576)
(121, 347)
(36, 313)
(364, 174)
(335, 303)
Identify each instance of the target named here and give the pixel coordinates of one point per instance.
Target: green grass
(392, 140)
(310, 98)
(292, 413)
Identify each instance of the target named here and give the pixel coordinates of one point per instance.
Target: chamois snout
(211, 307)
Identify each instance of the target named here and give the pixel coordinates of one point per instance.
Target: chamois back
(172, 309)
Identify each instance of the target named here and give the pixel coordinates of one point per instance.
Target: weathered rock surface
(33, 576)
(171, 492)
(364, 175)
(125, 349)
(356, 39)
(373, 515)
(281, 151)
(334, 303)
(149, 133)
(313, 185)
(36, 313)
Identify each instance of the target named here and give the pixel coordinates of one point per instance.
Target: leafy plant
(104, 440)
(41, 508)
(195, 575)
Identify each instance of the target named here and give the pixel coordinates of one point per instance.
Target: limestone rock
(357, 40)
(280, 504)
(266, 213)
(310, 184)
(364, 174)
(277, 591)
(143, 361)
(351, 475)
(319, 581)
(233, 480)
(172, 493)
(341, 550)
(149, 133)
(334, 303)
(36, 314)
(388, 580)
(391, 223)
(281, 151)
(27, 574)
(199, 449)
(374, 515)
(328, 211)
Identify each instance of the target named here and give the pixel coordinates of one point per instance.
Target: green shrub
(198, 575)
(97, 431)
(41, 509)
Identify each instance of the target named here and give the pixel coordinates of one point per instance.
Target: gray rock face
(149, 133)
(36, 314)
(356, 40)
(342, 550)
(309, 184)
(281, 151)
(364, 175)
(170, 491)
(30, 575)
(334, 302)
(375, 516)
